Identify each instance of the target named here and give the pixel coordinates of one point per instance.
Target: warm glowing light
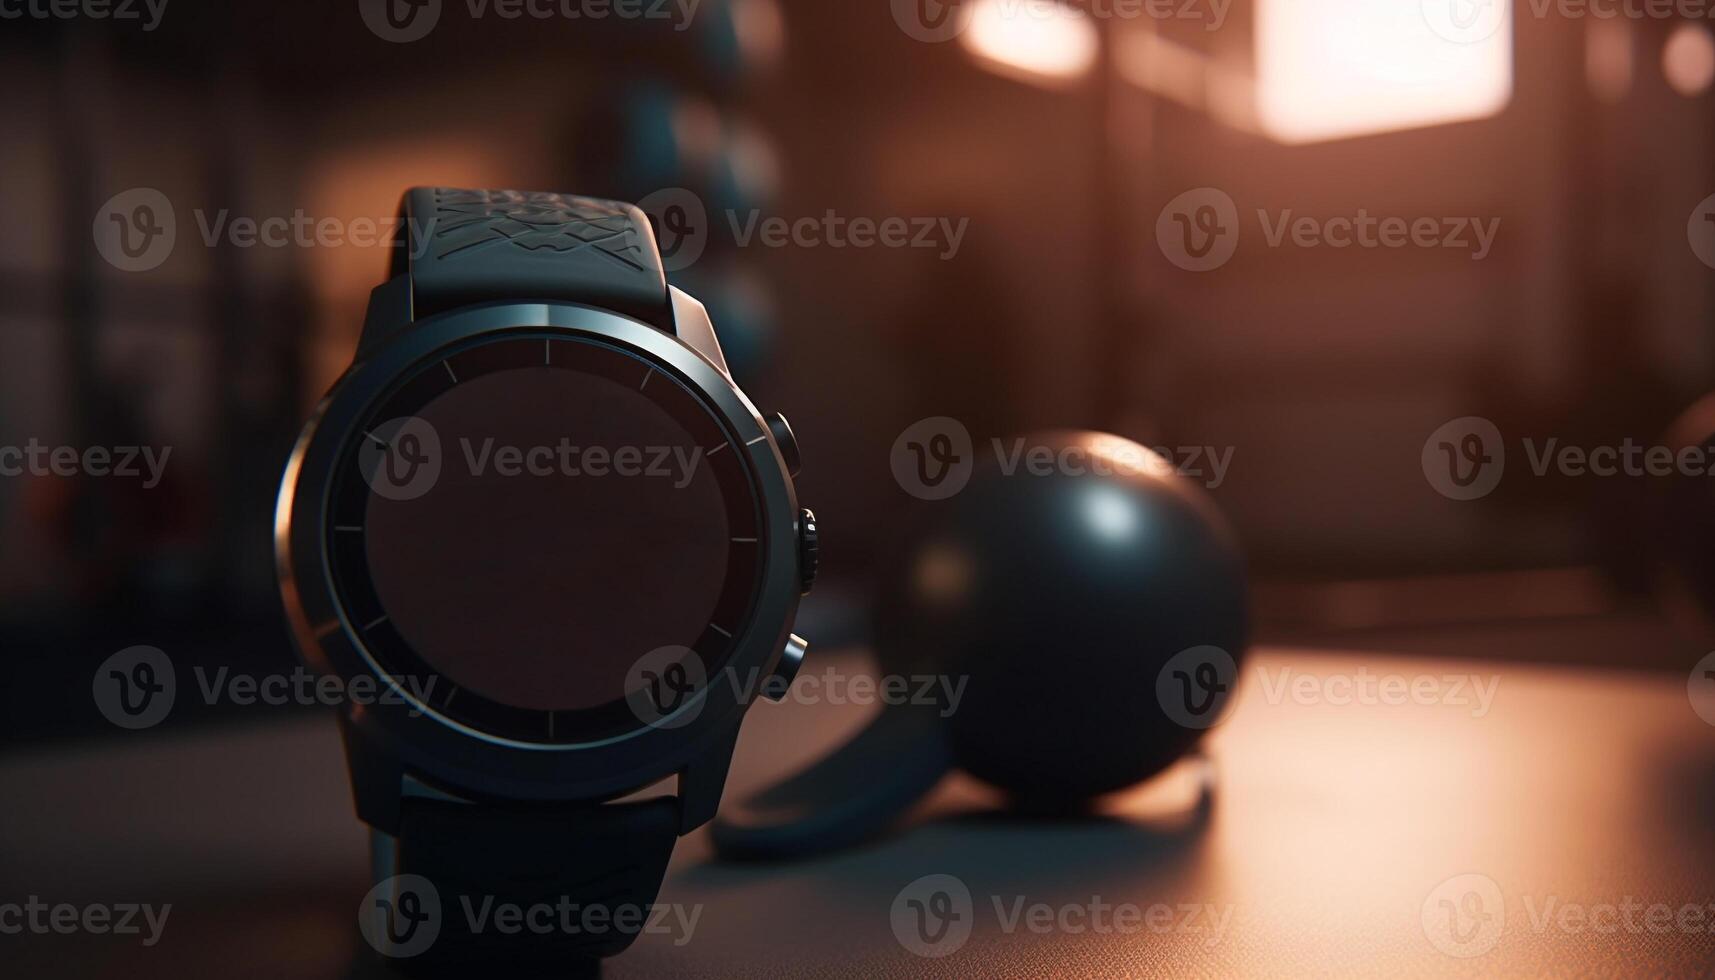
(1040, 41)
(361, 183)
(364, 180)
(943, 575)
(1608, 59)
(1688, 60)
(697, 127)
(761, 30)
(1328, 69)
(1124, 456)
(1189, 76)
(1164, 67)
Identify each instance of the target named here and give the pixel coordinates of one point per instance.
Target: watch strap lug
(692, 324)
(703, 779)
(389, 312)
(377, 780)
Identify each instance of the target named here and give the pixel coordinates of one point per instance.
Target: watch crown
(809, 550)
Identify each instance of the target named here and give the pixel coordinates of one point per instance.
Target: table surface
(1584, 800)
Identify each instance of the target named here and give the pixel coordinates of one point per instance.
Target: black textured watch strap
(534, 890)
(476, 246)
(540, 889)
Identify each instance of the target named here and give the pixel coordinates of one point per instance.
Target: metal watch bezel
(452, 755)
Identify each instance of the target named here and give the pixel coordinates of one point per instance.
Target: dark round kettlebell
(1087, 604)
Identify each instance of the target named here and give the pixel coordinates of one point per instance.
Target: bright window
(1328, 69)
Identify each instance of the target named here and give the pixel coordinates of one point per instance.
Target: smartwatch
(548, 553)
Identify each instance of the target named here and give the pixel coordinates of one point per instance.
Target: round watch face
(549, 539)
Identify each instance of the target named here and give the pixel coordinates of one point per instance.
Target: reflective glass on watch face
(543, 528)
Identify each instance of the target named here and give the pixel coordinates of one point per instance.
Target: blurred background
(1041, 145)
